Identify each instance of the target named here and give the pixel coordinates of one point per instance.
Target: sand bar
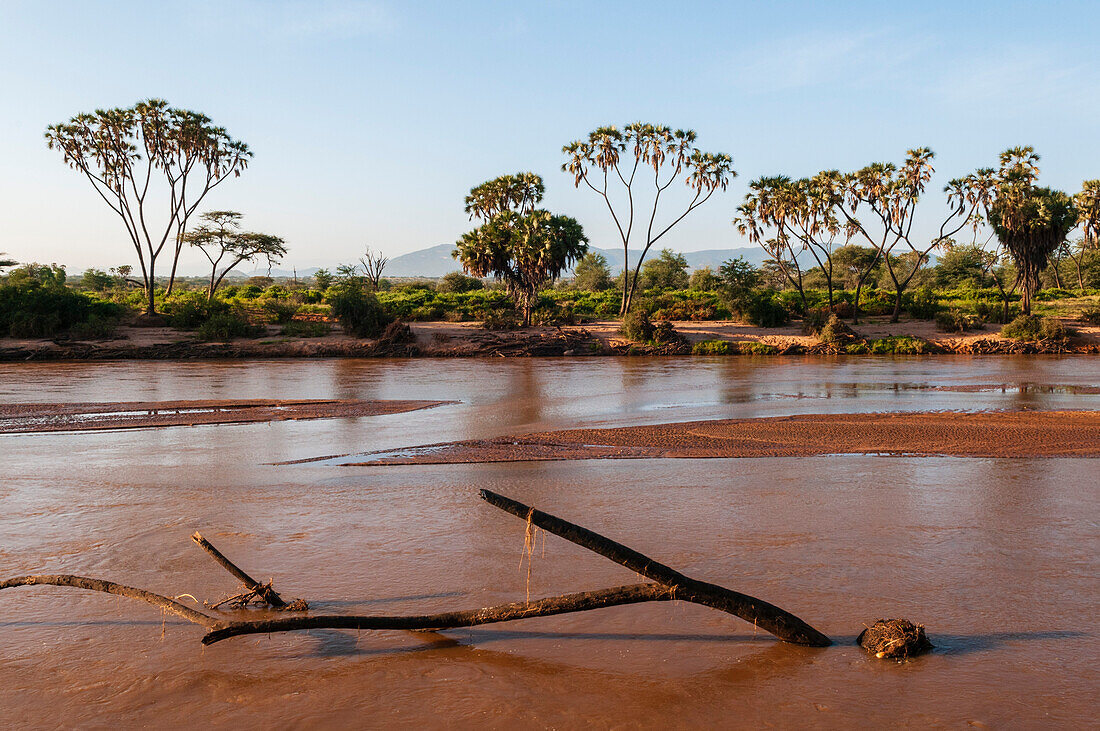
(85, 416)
(963, 434)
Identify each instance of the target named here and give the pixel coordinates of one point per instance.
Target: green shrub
(758, 349)
(923, 304)
(814, 320)
(281, 310)
(189, 310)
(1091, 315)
(665, 334)
(835, 331)
(29, 309)
(637, 327)
(306, 329)
(1052, 329)
(500, 320)
(859, 348)
(899, 345)
(225, 326)
(957, 321)
(712, 347)
(764, 310)
(1034, 327)
(359, 312)
(458, 282)
(96, 327)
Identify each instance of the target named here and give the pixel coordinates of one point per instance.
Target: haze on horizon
(371, 120)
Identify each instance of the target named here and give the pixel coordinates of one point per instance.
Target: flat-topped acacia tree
(220, 238)
(153, 165)
(522, 246)
(611, 157)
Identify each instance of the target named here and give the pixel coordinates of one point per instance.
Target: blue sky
(370, 120)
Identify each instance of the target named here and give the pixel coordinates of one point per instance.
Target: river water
(997, 557)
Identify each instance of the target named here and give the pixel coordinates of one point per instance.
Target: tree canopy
(221, 241)
(522, 246)
(122, 152)
(610, 154)
(1030, 222)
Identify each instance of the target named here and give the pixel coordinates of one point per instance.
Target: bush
(1052, 329)
(306, 329)
(665, 334)
(360, 313)
(281, 310)
(758, 349)
(1091, 315)
(923, 304)
(835, 331)
(225, 326)
(96, 327)
(34, 310)
(899, 345)
(500, 320)
(957, 321)
(637, 327)
(712, 347)
(189, 310)
(814, 320)
(1034, 327)
(764, 310)
(458, 282)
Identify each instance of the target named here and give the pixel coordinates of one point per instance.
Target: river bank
(469, 339)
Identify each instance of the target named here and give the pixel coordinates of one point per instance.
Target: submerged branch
(110, 587)
(564, 604)
(779, 622)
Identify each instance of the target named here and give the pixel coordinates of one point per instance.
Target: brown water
(997, 557)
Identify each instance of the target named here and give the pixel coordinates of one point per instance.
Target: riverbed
(996, 556)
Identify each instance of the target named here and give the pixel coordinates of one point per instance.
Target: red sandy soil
(29, 418)
(989, 434)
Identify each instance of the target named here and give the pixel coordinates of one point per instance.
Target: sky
(370, 120)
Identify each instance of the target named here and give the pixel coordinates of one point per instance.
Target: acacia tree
(522, 246)
(220, 239)
(121, 152)
(1030, 222)
(610, 154)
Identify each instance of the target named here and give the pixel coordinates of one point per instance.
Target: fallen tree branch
(564, 604)
(263, 591)
(779, 622)
(110, 587)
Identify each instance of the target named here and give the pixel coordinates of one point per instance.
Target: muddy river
(997, 557)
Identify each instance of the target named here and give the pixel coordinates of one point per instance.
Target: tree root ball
(894, 638)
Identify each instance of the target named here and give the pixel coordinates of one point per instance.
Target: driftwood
(110, 587)
(264, 592)
(779, 622)
(670, 585)
(564, 604)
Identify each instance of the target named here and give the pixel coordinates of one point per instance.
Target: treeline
(957, 291)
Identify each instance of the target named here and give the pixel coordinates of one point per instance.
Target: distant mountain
(437, 260)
